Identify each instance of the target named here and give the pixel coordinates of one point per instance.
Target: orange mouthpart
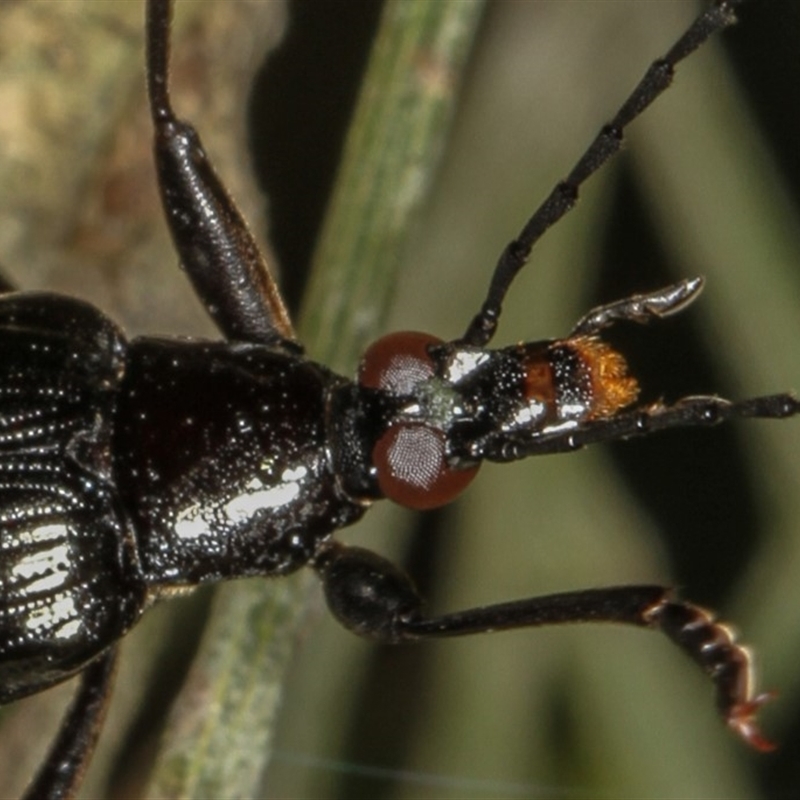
(612, 387)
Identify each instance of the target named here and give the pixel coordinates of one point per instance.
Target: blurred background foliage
(708, 184)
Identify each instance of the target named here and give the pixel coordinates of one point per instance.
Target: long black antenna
(606, 144)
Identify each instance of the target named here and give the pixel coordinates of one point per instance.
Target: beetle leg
(215, 246)
(61, 774)
(640, 308)
(372, 597)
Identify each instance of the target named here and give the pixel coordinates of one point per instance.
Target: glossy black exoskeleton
(135, 468)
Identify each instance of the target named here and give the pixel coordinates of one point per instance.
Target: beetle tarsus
(712, 645)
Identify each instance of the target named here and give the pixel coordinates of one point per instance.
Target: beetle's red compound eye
(410, 457)
(413, 470)
(397, 362)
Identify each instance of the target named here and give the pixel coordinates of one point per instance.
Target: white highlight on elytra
(60, 614)
(44, 572)
(47, 569)
(44, 533)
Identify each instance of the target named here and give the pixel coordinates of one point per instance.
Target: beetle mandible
(120, 476)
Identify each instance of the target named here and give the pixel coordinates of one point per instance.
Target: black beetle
(577, 400)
